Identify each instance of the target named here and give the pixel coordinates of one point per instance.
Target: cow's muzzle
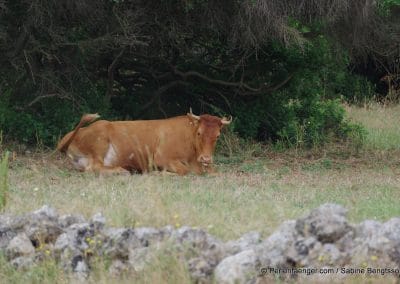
(205, 160)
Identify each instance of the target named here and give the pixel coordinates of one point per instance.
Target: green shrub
(308, 111)
(47, 120)
(356, 89)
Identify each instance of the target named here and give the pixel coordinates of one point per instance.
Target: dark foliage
(276, 66)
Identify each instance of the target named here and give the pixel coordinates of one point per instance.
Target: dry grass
(257, 194)
(248, 194)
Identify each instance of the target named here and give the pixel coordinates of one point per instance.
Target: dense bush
(308, 111)
(45, 121)
(305, 112)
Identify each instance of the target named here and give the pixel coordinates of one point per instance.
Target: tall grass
(4, 181)
(382, 123)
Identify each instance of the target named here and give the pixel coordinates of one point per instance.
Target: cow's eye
(198, 133)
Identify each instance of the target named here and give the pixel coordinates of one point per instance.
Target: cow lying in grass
(179, 144)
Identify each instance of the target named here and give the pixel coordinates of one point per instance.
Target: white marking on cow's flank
(110, 156)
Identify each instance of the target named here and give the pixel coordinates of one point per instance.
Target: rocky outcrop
(319, 247)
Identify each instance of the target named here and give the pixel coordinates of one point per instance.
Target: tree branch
(185, 76)
(281, 84)
(41, 97)
(30, 67)
(158, 93)
(110, 81)
(241, 85)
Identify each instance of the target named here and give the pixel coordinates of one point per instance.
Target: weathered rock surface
(322, 246)
(20, 245)
(238, 268)
(327, 223)
(245, 242)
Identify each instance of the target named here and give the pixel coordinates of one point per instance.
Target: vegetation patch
(280, 69)
(4, 187)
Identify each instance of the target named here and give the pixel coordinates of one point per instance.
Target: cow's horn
(225, 121)
(192, 115)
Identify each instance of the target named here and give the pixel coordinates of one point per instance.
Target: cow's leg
(98, 167)
(209, 169)
(175, 167)
(115, 170)
(178, 167)
(199, 169)
(170, 164)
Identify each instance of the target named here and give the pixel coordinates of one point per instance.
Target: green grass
(227, 205)
(248, 194)
(383, 124)
(47, 272)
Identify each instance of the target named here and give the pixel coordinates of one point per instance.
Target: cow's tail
(67, 140)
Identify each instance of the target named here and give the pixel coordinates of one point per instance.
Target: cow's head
(206, 129)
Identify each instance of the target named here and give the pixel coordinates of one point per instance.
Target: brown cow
(179, 144)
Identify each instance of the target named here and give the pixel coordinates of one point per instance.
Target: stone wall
(321, 246)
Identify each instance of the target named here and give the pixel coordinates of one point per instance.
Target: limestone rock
(247, 241)
(67, 220)
(327, 223)
(118, 243)
(238, 268)
(272, 251)
(98, 221)
(20, 245)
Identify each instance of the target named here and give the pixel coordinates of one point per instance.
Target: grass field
(249, 193)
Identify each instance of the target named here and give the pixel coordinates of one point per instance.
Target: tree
(138, 59)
